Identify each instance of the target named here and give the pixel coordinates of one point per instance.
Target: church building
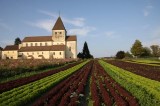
(59, 45)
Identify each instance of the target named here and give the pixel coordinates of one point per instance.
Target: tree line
(137, 50)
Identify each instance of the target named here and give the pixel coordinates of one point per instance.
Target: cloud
(76, 21)
(43, 24)
(80, 27)
(147, 10)
(84, 31)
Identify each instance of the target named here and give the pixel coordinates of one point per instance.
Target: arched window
(59, 53)
(69, 48)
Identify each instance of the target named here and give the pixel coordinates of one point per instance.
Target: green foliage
(17, 41)
(128, 55)
(144, 89)
(86, 53)
(146, 52)
(120, 55)
(27, 93)
(155, 50)
(137, 49)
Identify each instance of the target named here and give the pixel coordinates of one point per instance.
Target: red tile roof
(47, 38)
(59, 25)
(43, 48)
(37, 39)
(10, 47)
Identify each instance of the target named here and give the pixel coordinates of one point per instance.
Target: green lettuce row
(144, 89)
(27, 93)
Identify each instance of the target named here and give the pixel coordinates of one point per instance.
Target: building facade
(59, 45)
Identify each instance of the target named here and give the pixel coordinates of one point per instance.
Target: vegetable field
(86, 83)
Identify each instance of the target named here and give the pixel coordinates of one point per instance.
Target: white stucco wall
(73, 52)
(12, 54)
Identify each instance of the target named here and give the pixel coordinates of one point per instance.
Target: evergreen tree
(17, 41)
(80, 55)
(137, 49)
(86, 53)
(146, 51)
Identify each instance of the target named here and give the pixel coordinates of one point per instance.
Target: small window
(26, 44)
(53, 53)
(32, 53)
(42, 52)
(35, 44)
(69, 48)
(27, 53)
(40, 44)
(55, 33)
(46, 44)
(60, 32)
(31, 44)
(59, 53)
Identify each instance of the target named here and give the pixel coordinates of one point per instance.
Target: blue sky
(107, 25)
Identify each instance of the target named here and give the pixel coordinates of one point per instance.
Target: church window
(59, 53)
(42, 52)
(32, 53)
(31, 44)
(60, 32)
(69, 48)
(35, 44)
(26, 44)
(53, 53)
(55, 33)
(40, 44)
(46, 44)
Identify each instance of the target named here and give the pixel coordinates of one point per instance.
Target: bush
(120, 55)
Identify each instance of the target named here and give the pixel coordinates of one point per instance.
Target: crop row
(9, 68)
(69, 91)
(144, 89)
(27, 93)
(152, 72)
(104, 90)
(22, 81)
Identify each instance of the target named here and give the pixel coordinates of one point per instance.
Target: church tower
(59, 32)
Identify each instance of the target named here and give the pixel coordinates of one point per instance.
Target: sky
(106, 25)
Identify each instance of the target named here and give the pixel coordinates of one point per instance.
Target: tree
(137, 49)
(146, 51)
(127, 54)
(80, 55)
(120, 55)
(86, 53)
(17, 41)
(1, 48)
(155, 50)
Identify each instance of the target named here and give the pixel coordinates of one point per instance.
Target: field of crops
(86, 83)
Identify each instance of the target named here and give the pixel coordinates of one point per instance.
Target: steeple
(59, 25)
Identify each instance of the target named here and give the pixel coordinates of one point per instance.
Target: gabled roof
(43, 48)
(59, 25)
(71, 38)
(10, 47)
(47, 38)
(37, 39)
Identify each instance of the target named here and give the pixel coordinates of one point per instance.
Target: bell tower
(58, 31)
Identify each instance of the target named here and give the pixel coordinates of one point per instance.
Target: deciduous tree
(137, 48)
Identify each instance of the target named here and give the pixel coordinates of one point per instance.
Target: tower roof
(59, 25)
